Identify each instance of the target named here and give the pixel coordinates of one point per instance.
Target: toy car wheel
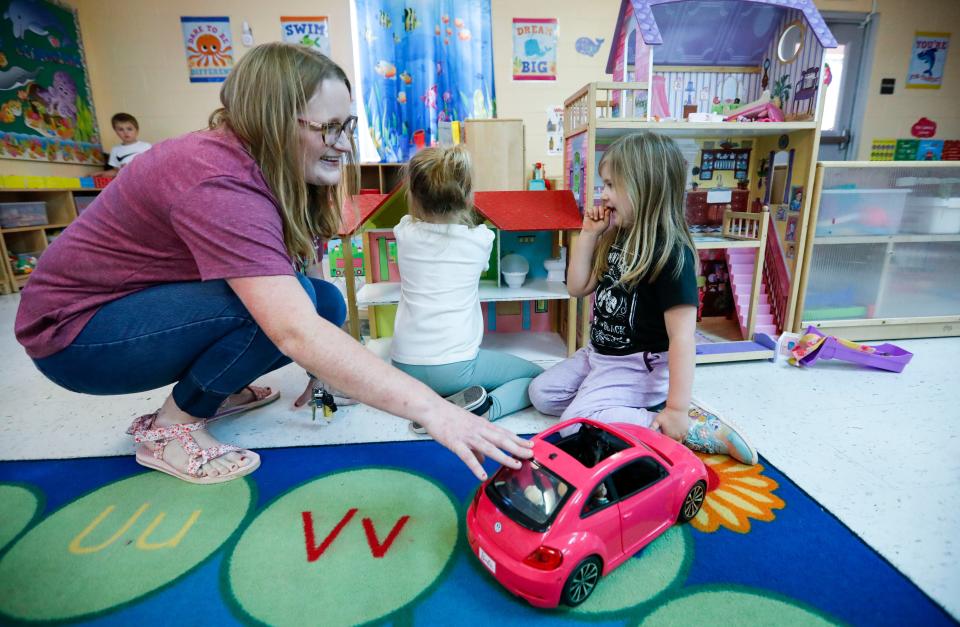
(582, 581)
(693, 502)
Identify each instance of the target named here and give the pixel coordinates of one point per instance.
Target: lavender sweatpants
(607, 388)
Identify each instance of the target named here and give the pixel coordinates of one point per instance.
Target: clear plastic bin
(847, 212)
(932, 215)
(17, 214)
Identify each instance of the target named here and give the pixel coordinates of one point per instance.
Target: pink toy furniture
(591, 497)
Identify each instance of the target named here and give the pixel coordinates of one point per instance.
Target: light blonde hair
(440, 185)
(262, 98)
(649, 172)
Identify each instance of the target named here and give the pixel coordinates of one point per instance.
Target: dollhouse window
(791, 42)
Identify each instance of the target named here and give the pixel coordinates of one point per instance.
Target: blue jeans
(198, 335)
(504, 376)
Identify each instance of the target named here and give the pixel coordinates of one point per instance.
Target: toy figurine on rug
(813, 345)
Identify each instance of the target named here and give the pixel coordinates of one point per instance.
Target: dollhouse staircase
(740, 263)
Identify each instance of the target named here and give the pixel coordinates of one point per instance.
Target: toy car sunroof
(587, 444)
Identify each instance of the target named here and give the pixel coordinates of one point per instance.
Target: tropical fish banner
(534, 49)
(46, 107)
(209, 48)
(422, 62)
(306, 31)
(927, 59)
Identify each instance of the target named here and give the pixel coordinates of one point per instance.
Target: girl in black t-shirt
(635, 251)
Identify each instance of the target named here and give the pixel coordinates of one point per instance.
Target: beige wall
(136, 64)
(893, 115)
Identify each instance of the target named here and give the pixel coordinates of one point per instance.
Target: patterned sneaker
(709, 433)
(473, 397)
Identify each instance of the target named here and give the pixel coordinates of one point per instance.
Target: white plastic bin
(846, 212)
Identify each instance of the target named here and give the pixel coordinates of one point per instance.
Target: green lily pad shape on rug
(734, 604)
(346, 548)
(117, 544)
(20, 505)
(662, 565)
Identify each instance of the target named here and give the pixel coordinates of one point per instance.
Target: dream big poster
(209, 48)
(534, 49)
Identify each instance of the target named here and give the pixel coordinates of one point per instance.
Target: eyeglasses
(332, 130)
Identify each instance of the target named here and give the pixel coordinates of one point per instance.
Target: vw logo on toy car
(497, 527)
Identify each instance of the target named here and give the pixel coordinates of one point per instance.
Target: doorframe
(869, 23)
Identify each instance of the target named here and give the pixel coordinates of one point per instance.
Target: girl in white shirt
(441, 253)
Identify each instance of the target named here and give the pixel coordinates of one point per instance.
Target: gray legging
(505, 377)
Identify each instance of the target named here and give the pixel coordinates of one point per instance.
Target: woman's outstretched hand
(473, 438)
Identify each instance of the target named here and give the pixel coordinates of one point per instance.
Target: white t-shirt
(439, 320)
(122, 154)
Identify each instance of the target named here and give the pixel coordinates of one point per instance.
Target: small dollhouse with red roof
(532, 224)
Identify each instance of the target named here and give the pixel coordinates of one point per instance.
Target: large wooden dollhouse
(738, 84)
(536, 320)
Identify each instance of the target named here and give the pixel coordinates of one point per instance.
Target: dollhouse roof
(552, 210)
(358, 210)
(738, 31)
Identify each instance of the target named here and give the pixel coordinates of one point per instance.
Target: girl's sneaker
(472, 399)
(709, 433)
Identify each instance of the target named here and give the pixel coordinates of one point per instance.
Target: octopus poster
(209, 48)
(46, 107)
(422, 63)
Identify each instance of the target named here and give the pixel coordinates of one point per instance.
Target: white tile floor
(879, 450)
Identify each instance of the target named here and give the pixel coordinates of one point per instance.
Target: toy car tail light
(544, 558)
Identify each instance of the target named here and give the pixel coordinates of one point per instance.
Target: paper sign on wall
(927, 60)
(554, 131)
(307, 31)
(882, 149)
(209, 48)
(534, 49)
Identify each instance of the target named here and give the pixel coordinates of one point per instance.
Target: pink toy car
(591, 497)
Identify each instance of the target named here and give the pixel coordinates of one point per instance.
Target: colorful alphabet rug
(374, 533)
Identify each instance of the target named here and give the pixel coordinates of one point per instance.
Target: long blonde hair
(262, 98)
(649, 172)
(440, 185)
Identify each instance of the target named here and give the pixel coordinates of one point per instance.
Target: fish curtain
(422, 62)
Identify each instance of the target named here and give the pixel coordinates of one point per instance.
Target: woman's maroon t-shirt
(193, 208)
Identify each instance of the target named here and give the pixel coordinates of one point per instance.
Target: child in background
(636, 252)
(441, 253)
(127, 129)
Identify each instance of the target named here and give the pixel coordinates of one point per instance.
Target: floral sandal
(143, 430)
(261, 396)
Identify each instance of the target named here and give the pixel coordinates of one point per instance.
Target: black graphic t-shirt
(631, 321)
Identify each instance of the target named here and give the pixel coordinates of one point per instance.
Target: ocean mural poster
(209, 48)
(46, 106)
(927, 59)
(311, 32)
(534, 49)
(422, 62)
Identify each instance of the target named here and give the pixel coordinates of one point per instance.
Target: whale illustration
(16, 77)
(587, 46)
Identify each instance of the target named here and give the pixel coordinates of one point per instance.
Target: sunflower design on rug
(735, 494)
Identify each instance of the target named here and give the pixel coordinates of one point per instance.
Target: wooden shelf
(614, 127)
(41, 227)
(388, 293)
(542, 348)
(713, 242)
(21, 190)
(884, 239)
